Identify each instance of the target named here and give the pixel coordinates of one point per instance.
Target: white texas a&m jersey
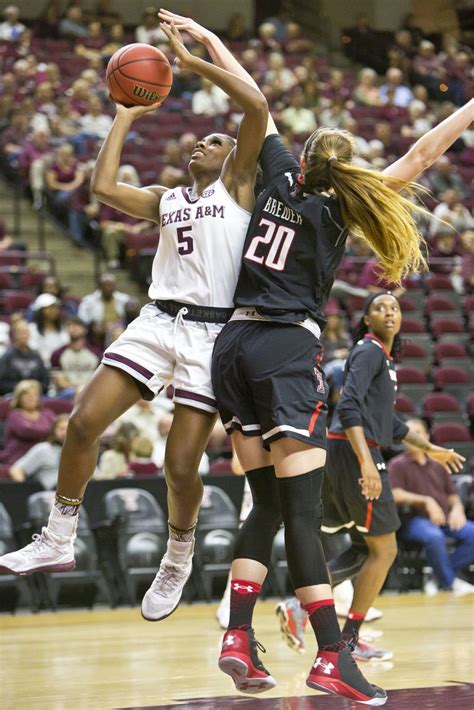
(200, 250)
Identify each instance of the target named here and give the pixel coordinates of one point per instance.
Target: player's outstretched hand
(185, 24)
(184, 59)
(133, 112)
(448, 458)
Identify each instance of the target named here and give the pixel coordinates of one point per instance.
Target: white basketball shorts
(157, 350)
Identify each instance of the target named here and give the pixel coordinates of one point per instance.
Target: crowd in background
(54, 113)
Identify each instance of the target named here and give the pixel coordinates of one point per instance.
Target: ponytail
(370, 202)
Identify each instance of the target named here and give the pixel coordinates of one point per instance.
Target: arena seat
(58, 405)
(446, 327)
(438, 306)
(404, 405)
(11, 586)
(413, 382)
(141, 536)
(451, 350)
(454, 380)
(441, 406)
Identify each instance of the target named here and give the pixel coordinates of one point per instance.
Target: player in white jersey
(194, 276)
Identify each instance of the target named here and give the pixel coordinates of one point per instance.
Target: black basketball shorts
(268, 381)
(343, 503)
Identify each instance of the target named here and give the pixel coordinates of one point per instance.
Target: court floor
(110, 659)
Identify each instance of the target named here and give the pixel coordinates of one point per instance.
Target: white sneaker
(223, 610)
(343, 594)
(44, 554)
(165, 592)
(430, 588)
(460, 587)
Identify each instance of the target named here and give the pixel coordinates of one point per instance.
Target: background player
(202, 232)
(356, 491)
(270, 388)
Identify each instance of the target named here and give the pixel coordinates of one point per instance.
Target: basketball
(138, 75)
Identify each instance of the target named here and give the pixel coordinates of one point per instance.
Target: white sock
(62, 526)
(180, 552)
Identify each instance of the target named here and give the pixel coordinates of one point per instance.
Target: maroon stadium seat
(411, 376)
(441, 406)
(468, 304)
(446, 326)
(435, 303)
(451, 376)
(444, 432)
(17, 301)
(412, 325)
(58, 405)
(412, 350)
(438, 282)
(404, 405)
(451, 350)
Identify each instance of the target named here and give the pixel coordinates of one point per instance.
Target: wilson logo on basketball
(143, 93)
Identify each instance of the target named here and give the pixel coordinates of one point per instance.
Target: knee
(180, 473)
(434, 537)
(82, 428)
(385, 551)
(268, 516)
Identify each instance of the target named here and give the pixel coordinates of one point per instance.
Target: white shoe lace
(38, 545)
(168, 578)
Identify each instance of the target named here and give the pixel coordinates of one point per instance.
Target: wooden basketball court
(108, 659)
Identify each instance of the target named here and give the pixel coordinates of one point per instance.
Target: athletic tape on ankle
(181, 531)
(63, 500)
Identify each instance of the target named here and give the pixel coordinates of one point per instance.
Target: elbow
(422, 157)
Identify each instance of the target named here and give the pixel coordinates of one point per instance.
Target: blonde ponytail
(370, 202)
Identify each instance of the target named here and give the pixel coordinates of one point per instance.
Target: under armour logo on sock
(244, 587)
(326, 667)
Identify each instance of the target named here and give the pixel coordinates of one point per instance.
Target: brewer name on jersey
(279, 209)
(192, 213)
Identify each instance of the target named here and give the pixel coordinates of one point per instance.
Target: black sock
(322, 616)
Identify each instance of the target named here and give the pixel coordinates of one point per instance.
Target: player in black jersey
(269, 385)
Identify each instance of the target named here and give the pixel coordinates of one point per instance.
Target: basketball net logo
(326, 667)
(143, 93)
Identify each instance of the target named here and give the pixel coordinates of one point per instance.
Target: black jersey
(293, 246)
(368, 394)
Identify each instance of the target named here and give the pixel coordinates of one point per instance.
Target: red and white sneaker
(240, 660)
(293, 620)
(46, 553)
(337, 673)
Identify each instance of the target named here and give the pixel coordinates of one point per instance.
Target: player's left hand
(448, 458)
(184, 58)
(456, 518)
(186, 24)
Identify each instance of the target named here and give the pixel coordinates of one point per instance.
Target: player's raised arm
(241, 165)
(218, 52)
(432, 145)
(139, 202)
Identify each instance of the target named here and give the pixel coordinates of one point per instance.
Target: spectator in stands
(187, 141)
(11, 28)
(467, 260)
(149, 31)
(295, 41)
(393, 92)
(460, 77)
(79, 94)
(27, 424)
(95, 123)
(362, 147)
(336, 342)
(444, 250)
(336, 89)
(116, 40)
(383, 133)
(366, 93)
(63, 176)
(451, 210)
(410, 24)
(47, 25)
(20, 362)
(72, 26)
(32, 161)
(335, 115)
(427, 487)
(444, 176)
(84, 210)
(14, 137)
(140, 462)
(236, 30)
(172, 177)
(428, 68)
(297, 117)
(52, 285)
(106, 304)
(267, 34)
(40, 464)
(371, 279)
(420, 123)
(115, 225)
(359, 40)
(48, 329)
(67, 117)
(114, 461)
(210, 100)
(146, 415)
(73, 364)
(278, 75)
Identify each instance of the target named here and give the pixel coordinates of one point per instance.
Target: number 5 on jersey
(278, 240)
(185, 241)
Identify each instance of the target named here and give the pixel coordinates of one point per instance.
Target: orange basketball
(138, 74)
